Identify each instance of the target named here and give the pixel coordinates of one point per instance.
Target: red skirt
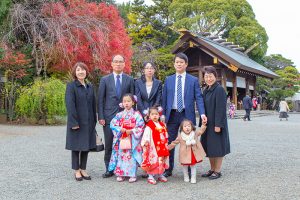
(193, 161)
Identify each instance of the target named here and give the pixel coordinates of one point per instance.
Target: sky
(281, 19)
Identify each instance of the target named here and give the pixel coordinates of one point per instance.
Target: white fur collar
(189, 139)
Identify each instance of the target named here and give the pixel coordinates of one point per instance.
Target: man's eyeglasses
(118, 61)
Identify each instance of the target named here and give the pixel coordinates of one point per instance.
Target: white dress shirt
(183, 75)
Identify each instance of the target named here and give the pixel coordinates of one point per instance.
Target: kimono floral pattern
(125, 162)
(150, 154)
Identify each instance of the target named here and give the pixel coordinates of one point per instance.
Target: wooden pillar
(234, 90)
(200, 77)
(254, 85)
(247, 84)
(223, 79)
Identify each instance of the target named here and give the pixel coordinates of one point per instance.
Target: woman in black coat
(148, 89)
(81, 109)
(215, 140)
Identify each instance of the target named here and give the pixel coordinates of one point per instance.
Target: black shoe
(145, 175)
(215, 175)
(78, 179)
(107, 174)
(167, 174)
(86, 177)
(208, 173)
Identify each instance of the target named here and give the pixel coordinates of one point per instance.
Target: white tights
(186, 173)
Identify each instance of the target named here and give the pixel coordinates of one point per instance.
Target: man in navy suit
(111, 89)
(180, 92)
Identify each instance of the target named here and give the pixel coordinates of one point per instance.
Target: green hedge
(43, 102)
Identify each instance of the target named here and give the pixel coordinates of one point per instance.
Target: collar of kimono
(160, 139)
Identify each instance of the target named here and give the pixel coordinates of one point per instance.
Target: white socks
(186, 174)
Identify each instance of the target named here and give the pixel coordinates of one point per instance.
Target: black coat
(247, 102)
(81, 109)
(154, 99)
(215, 144)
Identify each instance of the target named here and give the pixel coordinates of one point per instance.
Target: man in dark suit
(111, 89)
(247, 104)
(180, 93)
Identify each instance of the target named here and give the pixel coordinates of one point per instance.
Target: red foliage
(112, 40)
(14, 62)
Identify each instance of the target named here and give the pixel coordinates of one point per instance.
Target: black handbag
(99, 144)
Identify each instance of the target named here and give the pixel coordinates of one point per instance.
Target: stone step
(239, 114)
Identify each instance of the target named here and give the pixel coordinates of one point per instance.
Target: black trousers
(173, 126)
(108, 140)
(247, 115)
(79, 159)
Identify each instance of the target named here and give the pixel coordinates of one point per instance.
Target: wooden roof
(226, 55)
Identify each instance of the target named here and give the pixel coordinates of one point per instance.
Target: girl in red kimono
(155, 148)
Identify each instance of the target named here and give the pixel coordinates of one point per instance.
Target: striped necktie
(179, 94)
(118, 86)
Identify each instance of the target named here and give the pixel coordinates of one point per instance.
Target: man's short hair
(182, 56)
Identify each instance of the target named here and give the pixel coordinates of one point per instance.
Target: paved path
(264, 164)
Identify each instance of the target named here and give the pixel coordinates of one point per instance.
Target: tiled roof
(245, 62)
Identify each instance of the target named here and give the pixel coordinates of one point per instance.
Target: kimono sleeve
(115, 125)
(139, 125)
(146, 136)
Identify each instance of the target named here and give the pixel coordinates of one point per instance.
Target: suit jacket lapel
(144, 90)
(154, 88)
(173, 85)
(123, 84)
(186, 87)
(113, 83)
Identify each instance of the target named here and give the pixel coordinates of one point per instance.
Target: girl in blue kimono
(127, 127)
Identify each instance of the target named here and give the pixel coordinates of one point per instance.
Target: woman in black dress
(215, 140)
(81, 109)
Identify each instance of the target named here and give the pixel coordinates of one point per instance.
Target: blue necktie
(179, 94)
(118, 86)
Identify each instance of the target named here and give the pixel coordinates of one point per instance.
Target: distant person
(259, 102)
(231, 110)
(247, 105)
(283, 109)
(254, 103)
(81, 123)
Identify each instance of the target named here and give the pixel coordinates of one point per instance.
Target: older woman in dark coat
(215, 140)
(148, 89)
(81, 109)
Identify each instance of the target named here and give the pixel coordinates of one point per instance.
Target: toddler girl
(155, 147)
(190, 150)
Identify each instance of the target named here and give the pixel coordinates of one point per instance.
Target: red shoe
(162, 179)
(151, 181)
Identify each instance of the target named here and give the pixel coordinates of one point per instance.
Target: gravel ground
(264, 164)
